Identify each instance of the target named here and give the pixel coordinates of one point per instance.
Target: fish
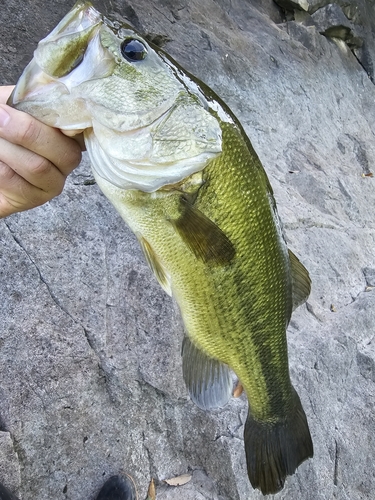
(177, 165)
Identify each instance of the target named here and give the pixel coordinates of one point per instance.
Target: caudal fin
(274, 450)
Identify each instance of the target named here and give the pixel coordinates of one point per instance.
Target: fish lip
(34, 79)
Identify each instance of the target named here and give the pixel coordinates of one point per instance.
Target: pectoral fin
(208, 381)
(156, 266)
(301, 282)
(203, 237)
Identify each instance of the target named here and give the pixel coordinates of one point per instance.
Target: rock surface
(352, 21)
(90, 369)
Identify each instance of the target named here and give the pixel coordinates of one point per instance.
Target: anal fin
(208, 381)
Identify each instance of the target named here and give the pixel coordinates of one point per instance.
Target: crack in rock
(336, 467)
(10, 463)
(106, 374)
(52, 295)
(153, 469)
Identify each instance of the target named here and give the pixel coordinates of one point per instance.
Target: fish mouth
(33, 85)
(44, 74)
(69, 56)
(44, 97)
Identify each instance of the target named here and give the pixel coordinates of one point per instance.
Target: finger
(26, 131)
(5, 92)
(16, 193)
(81, 142)
(72, 133)
(35, 169)
(77, 135)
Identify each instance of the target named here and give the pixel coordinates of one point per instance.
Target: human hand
(35, 159)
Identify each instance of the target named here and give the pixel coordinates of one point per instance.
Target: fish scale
(258, 248)
(178, 167)
(255, 322)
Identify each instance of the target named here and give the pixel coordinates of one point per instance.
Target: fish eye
(133, 50)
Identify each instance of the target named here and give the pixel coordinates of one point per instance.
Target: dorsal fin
(208, 381)
(301, 282)
(202, 236)
(156, 266)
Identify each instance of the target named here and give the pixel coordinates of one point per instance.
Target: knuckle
(51, 181)
(6, 173)
(6, 208)
(39, 166)
(29, 132)
(32, 198)
(12, 203)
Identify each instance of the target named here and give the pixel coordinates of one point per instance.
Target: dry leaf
(151, 493)
(179, 480)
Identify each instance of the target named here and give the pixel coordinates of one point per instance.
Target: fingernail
(4, 117)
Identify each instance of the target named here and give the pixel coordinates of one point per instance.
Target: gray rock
(90, 369)
(330, 17)
(9, 462)
(351, 21)
(304, 5)
(331, 21)
(294, 4)
(369, 275)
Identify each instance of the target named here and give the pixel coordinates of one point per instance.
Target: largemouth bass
(177, 165)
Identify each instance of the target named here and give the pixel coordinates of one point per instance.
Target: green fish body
(180, 170)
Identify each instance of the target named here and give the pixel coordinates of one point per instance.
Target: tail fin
(274, 450)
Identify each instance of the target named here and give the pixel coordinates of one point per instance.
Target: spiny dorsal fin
(156, 266)
(301, 282)
(208, 381)
(203, 237)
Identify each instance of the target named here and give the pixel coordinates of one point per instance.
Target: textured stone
(294, 4)
(9, 462)
(331, 21)
(351, 21)
(330, 16)
(90, 369)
